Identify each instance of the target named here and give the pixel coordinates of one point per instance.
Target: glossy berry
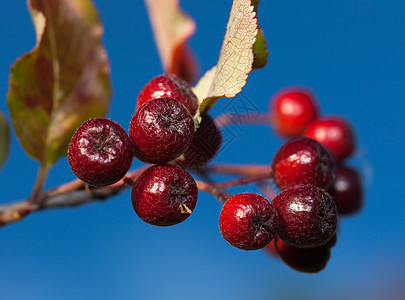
(161, 130)
(311, 260)
(307, 216)
(293, 109)
(205, 145)
(100, 152)
(164, 195)
(335, 134)
(303, 161)
(347, 191)
(171, 86)
(271, 248)
(184, 63)
(248, 221)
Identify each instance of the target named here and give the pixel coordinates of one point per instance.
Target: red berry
(307, 216)
(311, 260)
(271, 247)
(161, 130)
(248, 221)
(100, 152)
(293, 109)
(303, 161)
(170, 86)
(164, 195)
(347, 191)
(335, 134)
(206, 143)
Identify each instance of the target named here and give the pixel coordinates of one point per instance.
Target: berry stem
(266, 189)
(238, 119)
(243, 180)
(215, 189)
(210, 188)
(241, 169)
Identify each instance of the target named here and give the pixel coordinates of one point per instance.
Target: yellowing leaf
(228, 77)
(172, 28)
(202, 89)
(4, 139)
(63, 81)
(236, 58)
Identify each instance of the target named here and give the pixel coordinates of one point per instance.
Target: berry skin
(293, 109)
(271, 248)
(248, 221)
(170, 86)
(311, 260)
(347, 191)
(335, 134)
(206, 143)
(161, 130)
(303, 161)
(307, 216)
(164, 195)
(100, 152)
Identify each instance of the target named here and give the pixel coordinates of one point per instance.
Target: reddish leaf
(172, 28)
(62, 82)
(4, 139)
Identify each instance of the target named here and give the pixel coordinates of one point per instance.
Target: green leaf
(4, 139)
(260, 51)
(62, 82)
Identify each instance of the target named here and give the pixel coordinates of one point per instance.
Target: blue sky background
(350, 53)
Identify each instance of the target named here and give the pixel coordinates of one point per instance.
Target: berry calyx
(100, 152)
(307, 216)
(303, 161)
(205, 145)
(171, 86)
(347, 191)
(248, 221)
(335, 134)
(293, 109)
(161, 130)
(164, 195)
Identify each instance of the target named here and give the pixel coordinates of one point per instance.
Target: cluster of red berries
(300, 222)
(303, 214)
(162, 132)
(295, 114)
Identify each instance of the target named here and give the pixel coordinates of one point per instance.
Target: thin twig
(243, 180)
(241, 169)
(239, 119)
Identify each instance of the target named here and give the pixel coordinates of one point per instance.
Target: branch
(70, 194)
(76, 193)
